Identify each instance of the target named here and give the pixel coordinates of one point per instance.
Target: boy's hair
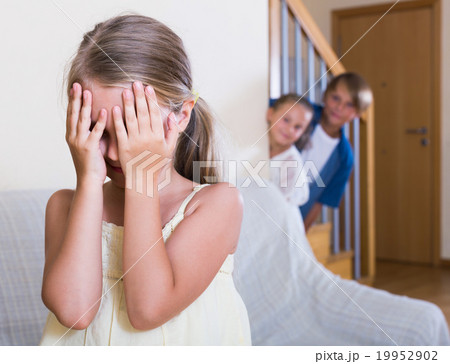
(298, 100)
(133, 47)
(358, 88)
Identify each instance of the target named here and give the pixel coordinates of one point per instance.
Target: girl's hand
(143, 139)
(84, 145)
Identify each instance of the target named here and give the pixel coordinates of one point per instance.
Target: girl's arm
(72, 279)
(164, 279)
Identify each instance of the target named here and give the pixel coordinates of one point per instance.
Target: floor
(417, 281)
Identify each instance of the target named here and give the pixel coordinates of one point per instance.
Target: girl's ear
(184, 115)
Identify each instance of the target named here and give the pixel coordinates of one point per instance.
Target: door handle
(423, 130)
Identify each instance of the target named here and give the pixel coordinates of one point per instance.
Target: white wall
(321, 11)
(227, 42)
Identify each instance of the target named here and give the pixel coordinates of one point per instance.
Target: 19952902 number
(407, 355)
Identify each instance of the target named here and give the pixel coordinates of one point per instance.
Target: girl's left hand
(144, 134)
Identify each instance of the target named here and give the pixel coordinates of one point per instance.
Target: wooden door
(398, 59)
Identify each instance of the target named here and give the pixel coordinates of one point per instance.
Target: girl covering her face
(146, 258)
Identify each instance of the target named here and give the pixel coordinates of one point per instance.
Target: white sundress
(217, 317)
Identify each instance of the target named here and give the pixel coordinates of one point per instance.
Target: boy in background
(347, 96)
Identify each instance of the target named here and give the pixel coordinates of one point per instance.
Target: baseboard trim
(445, 263)
(366, 280)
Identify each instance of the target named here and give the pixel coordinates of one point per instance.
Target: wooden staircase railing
(295, 37)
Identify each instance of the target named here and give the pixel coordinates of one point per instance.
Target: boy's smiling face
(339, 107)
(287, 124)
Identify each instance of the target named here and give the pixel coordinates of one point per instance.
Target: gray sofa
(291, 299)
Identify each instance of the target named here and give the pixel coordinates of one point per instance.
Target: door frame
(435, 133)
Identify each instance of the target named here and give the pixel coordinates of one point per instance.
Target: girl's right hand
(84, 145)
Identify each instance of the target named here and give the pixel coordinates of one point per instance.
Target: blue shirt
(334, 174)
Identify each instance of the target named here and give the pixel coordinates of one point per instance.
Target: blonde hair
(292, 98)
(358, 88)
(296, 99)
(133, 47)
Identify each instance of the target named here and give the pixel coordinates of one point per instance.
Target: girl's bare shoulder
(221, 196)
(63, 195)
(60, 201)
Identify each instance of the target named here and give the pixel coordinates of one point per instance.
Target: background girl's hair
(133, 47)
(358, 88)
(294, 98)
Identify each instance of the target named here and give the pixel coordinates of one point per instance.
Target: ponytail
(198, 144)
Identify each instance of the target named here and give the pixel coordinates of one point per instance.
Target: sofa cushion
(22, 313)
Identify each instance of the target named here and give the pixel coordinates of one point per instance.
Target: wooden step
(319, 237)
(341, 264)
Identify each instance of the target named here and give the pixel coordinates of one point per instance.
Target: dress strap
(173, 223)
(189, 198)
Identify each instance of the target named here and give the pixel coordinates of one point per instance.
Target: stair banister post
(347, 205)
(284, 48)
(298, 59)
(275, 49)
(356, 200)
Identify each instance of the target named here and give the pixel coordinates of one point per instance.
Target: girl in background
(288, 119)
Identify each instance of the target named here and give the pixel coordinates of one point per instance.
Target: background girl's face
(106, 98)
(287, 124)
(339, 107)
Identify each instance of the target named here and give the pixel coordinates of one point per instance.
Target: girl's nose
(112, 152)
